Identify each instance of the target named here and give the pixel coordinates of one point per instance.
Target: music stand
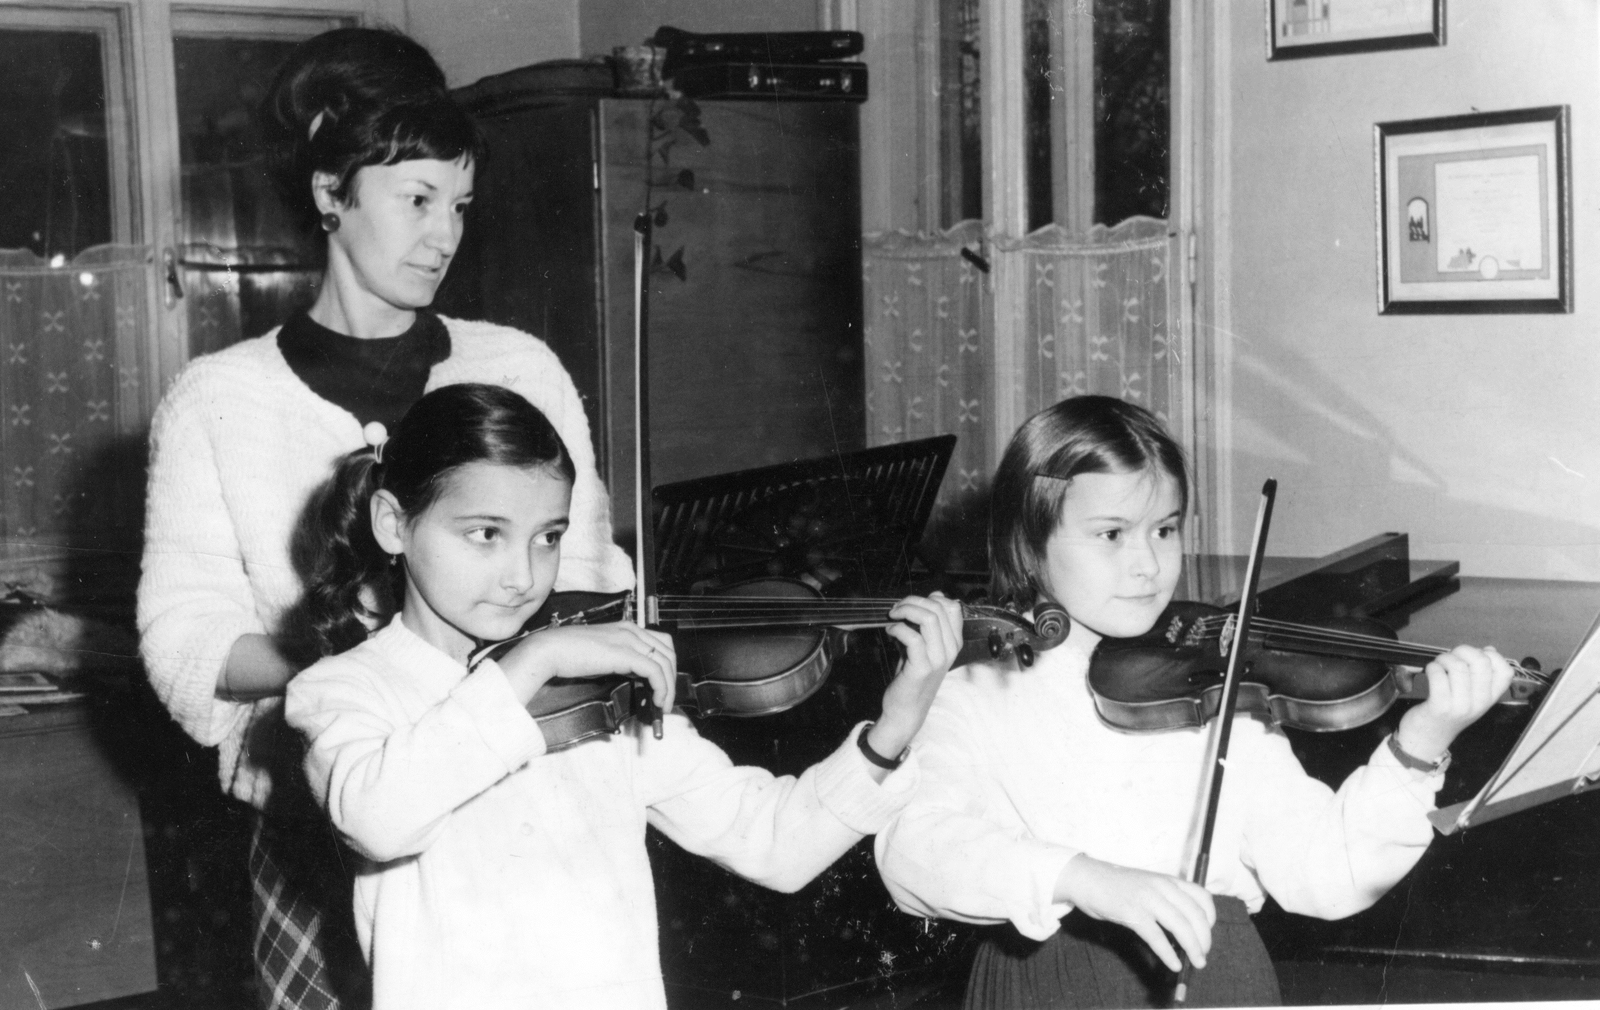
(846, 523)
(1557, 755)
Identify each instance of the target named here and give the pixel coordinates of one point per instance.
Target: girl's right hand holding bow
(593, 650)
(1153, 905)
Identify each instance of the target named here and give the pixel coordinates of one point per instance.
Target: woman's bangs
(443, 132)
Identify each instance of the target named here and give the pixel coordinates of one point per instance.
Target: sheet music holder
(848, 523)
(1557, 755)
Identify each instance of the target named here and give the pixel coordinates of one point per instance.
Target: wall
(605, 24)
(1476, 434)
(475, 38)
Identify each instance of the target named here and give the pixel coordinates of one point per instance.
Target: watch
(889, 764)
(1416, 764)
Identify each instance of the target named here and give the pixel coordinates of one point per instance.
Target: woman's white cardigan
(237, 446)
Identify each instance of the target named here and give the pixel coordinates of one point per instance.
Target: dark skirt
(1090, 963)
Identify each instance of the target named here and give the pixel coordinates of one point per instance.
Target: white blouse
(1019, 775)
(502, 875)
(237, 447)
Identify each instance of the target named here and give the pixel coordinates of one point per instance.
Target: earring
(394, 559)
(330, 221)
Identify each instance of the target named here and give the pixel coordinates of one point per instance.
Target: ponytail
(352, 584)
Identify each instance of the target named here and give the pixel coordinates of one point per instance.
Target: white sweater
(1019, 775)
(505, 876)
(237, 446)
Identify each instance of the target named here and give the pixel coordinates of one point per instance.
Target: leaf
(686, 179)
(700, 135)
(661, 215)
(675, 264)
(689, 108)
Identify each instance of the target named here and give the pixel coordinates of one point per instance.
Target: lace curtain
(72, 416)
(1097, 316)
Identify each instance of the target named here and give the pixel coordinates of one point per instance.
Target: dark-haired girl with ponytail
(370, 151)
(497, 873)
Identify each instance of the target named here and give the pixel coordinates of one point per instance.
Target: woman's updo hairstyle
(1083, 434)
(354, 97)
(352, 584)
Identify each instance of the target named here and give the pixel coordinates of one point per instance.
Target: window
(137, 230)
(1015, 199)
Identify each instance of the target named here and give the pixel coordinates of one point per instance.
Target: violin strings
(1212, 625)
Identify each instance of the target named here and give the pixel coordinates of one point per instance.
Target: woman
(369, 147)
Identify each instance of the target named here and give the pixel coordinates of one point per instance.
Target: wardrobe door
(530, 257)
(755, 283)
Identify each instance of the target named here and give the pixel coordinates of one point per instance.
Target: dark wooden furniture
(1502, 911)
(755, 288)
(74, 901)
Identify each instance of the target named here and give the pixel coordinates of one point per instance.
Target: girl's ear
(322, 186)
(388, 522)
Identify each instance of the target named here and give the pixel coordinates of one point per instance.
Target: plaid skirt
(1090, 963)
(306, 953)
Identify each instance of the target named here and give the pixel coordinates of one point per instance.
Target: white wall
(1476, 434)
(476, 38)
(610, 23)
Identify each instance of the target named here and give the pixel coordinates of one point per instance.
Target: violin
(1332, 675)
(755, 648)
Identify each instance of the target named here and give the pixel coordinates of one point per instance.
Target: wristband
(888, 764)
(1416, 764)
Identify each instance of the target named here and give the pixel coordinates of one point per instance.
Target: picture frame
(1299, 28)
(1474, 213)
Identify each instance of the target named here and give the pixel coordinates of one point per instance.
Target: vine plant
(670, 122)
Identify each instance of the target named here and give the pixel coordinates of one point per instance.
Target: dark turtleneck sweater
(377, 379)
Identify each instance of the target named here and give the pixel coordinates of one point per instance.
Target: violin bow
(1222, 726)
(644, 576)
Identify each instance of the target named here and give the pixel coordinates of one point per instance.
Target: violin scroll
(993, 632)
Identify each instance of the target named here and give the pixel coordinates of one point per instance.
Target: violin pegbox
(1186, 630)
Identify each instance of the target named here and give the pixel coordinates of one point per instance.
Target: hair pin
(316, 124)
(377, 436)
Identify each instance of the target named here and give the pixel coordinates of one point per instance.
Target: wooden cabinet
(755, 285)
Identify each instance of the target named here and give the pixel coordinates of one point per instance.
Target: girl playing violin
(1033, 812)
(499, 873)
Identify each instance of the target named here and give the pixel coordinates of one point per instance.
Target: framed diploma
(1474, 213)
(1325, 27)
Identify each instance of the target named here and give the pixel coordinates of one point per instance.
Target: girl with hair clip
(1069, 836)
(368, 148)
(499, 873)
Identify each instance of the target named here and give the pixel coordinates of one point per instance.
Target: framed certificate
(1326, 27)
(1474, 213)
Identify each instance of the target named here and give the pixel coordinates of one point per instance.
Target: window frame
(902, 115)
(147, 181)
